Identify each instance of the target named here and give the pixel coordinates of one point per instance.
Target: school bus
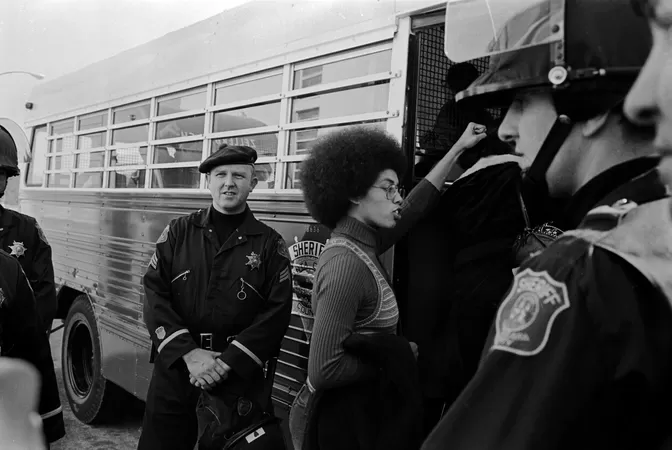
(115, 148)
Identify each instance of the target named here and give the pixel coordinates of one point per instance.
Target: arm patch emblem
(153, 261)
(164, 235)
(525, 317)
(282, 248)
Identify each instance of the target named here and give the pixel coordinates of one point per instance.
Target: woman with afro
(350, 184)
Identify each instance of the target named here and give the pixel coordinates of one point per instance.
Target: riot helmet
(12, 142)
(585, 53)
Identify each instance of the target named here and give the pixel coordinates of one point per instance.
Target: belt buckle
(206, 341)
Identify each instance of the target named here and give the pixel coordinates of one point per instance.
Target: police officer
(218, 301)
(580, 353)
(22, 237)
(22, 337)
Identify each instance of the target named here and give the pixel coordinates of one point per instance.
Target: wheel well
(66, 297)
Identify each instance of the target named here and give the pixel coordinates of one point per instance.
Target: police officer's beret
(226, 155)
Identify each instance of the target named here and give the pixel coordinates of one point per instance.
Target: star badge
(18, 249)
(253, 261)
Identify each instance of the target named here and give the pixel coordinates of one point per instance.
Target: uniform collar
(636, 180)
(250, 225)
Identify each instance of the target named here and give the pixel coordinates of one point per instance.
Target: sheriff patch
(164, 235)
(524, 320)
(161, 333)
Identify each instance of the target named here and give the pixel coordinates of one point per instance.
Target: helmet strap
(536, 175)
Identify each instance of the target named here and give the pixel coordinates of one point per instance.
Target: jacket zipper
(184, 274)
(251, 287)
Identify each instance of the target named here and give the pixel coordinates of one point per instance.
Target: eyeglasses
(391, 191)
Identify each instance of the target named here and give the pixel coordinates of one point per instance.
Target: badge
(253, 261)
(161, 333)
(282, 249)
(43, 238)
(18, 249)
(164, 235)
(524, 320)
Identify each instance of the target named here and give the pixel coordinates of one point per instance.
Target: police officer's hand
(201, 365)
(473, 134)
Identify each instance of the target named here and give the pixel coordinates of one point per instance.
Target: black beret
(226, 155)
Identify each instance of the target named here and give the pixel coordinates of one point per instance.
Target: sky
(55, 37)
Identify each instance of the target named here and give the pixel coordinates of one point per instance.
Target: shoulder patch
(282, 248)
(164, 235)
(43, 238)
(525, 317)
(153, 261)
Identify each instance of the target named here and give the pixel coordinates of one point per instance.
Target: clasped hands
(205, 369)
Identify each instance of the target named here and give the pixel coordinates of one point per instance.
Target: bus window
(300, 140)
(62, 127)
(58, 180)
(91, 121)
(90, 160)
(89, 180)
(93, 140)
(293, 170)
(342, 103)
(124, 114)
(247, 90)
(342, 70)
(176, 178)
(265, 173)
(248, 117)
(130, 135)
(131, 177)
(183, 103)
(38, 160)
(264, 144)
(187, 126)
(178, 152)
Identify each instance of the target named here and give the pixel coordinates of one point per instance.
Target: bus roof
(259, 33)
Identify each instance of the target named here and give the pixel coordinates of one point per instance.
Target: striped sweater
(345, 291)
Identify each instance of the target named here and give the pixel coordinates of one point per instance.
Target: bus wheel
(89, 393)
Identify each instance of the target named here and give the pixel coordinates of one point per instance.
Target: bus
(115, 149)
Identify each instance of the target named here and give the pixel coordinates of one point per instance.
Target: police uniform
(233, 297)
(580, 355)
(22, 238)
(22, 337)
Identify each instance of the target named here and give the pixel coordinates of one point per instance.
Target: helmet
(12, 140)
(586, 53)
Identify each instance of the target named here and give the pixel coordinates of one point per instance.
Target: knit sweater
(345, 291)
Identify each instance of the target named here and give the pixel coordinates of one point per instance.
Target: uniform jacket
(22, 336)
(240, 289)
(580, 354)
(22, 237)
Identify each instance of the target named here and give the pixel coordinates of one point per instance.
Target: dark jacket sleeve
(41, 277)
(167, 330)
(421, 200)
(261, 341)
(30, 343)
(548, 399)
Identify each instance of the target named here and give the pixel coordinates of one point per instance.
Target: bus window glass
(361, 100)
(62, 144)
(96, 120)
(176, 178)
(130, 135)
(60, 162)
(343, 70)
(90, 160)
(38, 159)
(292, 177)
(265, 173)
(130, 113)
(63, 127)
(58, 180)
(249, 117)
(89, 180)
(248, 90)
(264, 144)
(132, 156)
(301, 140)
(188, 126)
(187, 102)
(175, 153)
(93, 140)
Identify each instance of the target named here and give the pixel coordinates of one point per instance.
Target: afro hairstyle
(343, 165)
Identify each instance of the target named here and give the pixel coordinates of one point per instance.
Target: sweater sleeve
(339, 291)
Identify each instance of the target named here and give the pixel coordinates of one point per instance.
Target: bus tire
(89, 393)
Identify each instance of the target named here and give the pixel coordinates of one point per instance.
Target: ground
(122, 435)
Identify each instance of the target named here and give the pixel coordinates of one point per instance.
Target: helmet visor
(480, 28)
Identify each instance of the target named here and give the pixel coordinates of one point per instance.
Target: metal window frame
(85, 116)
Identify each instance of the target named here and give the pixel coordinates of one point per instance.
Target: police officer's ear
(253, 179)
(595, 125)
